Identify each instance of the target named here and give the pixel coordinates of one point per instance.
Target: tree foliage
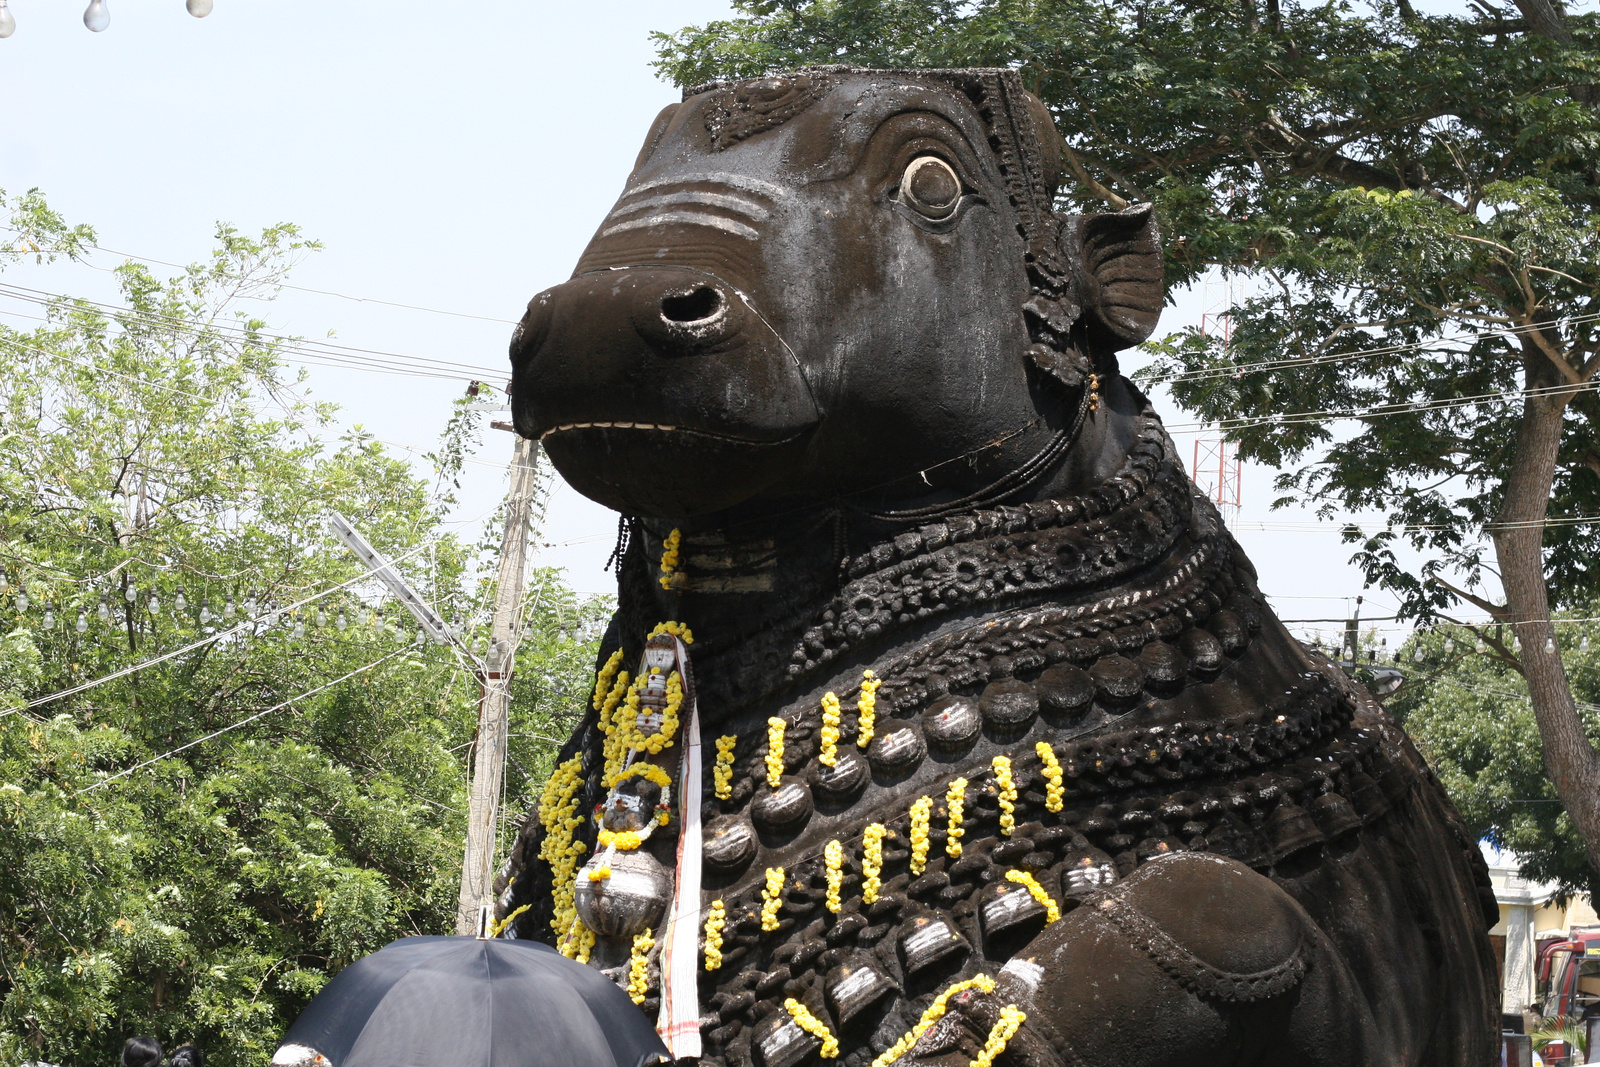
(193, 849)
(1469, 714)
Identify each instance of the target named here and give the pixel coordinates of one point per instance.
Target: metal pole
(488, 769)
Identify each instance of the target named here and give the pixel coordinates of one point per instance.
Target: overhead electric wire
(1320, 359)
(212, 638)
(242, 722)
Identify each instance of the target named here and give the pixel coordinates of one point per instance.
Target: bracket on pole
(384, 571)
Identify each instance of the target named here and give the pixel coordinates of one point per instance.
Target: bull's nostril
(697, 305)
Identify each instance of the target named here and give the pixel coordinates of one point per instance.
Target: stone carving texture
(882, 406)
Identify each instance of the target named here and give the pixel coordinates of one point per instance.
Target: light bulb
(1416, 657)
(8, 24)
(1583, 646)
(5, 586)
(1480, 646)
(227, 609)
(96, 17)
(22, 601)
(49, 618)
(1516, 643)
(343, 622)
(205, 614)
(131, 594)
(199, 8)
(299, 627)
(322, 618)
(180, 602)
(155, 605)
(103, 612)
(250, 607)
(1549, 644)
(83, 623)
(1449, 645)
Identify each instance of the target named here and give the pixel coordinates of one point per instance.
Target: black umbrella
(461, 1002)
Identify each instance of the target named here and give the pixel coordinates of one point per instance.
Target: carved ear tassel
(1071, 368)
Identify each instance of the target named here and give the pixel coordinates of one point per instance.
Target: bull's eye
(930, 186)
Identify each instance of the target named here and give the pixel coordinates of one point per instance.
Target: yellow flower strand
(921, 812)
(1011, 1020)
(669, 559)
(634, 739)
(771, 898)
(1008, 794)
(558, 812)
(830, 730)
(614, 748)
(833, 859)
(1052, 776)
(934, 1013)
(774, 751)
(621, 840)
(577, 943)
(867, 708)
(955, 798)
(722, 770)
(642, 769)
(812, 1025)
(871, 861)
(1052, 911)
(676, 629)
(716, 919)
(498, 928)
(639, 967)
(604, 677)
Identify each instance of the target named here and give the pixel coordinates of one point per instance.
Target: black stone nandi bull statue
(1006, 758)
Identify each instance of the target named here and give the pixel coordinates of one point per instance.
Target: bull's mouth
(664, 428)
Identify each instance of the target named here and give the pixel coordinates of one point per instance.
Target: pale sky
(449, 156)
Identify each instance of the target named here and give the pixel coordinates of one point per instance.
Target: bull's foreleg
(1193, 960)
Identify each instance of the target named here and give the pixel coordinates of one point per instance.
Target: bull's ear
(1122, 274)
(657, 128)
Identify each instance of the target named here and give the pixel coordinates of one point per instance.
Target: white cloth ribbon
(679, 1019)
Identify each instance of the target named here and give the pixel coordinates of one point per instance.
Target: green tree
(1416, 195)
(193, 848)
(1470, 716)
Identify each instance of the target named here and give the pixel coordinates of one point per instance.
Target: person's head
(187, 1056)
(142, 1052)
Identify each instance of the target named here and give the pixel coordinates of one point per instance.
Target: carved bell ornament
(626, 902)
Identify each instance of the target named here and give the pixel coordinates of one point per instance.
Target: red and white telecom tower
(1217, 467)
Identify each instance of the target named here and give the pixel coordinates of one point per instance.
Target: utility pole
(488, 768)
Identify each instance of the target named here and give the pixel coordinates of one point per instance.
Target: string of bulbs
(97, 16)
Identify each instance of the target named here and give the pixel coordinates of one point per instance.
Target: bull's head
(831, 283)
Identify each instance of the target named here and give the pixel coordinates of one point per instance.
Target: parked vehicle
(1569, 975)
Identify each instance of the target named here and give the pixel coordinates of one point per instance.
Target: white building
(1527, 917)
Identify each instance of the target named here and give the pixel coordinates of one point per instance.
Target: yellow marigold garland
(1052, 911)
(621, 840)
(833, 860)
(669, 559)
(634, 740)
(955, 798)
(775, 727)
(867, 708)
(771, 898)
(614, 748)
(642, 769)
(722, 770)
(921, 811)
(716, 919)
(830, 730)
(604, 677)
(639, 966)
(871, 861)
(558, 812)
(578, 942)
(813, 1026)
(498, 928)
(676, 629)
(1011, 1020)
(1052, 776)
(934, 1013)
(1008, 794)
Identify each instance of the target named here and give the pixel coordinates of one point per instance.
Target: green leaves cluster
(1469, 715)
(193, 849)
